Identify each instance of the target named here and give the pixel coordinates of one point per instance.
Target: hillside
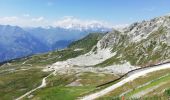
(87, 43)
(15, 71)
(18, 42)
(142, 43)
(77, 71)
(15, 43)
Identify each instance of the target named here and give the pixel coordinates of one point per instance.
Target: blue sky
(112, 11)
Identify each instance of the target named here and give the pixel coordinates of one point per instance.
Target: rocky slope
(139, 45)
(143, 43)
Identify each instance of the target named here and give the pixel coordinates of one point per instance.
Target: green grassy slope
(57, 86)
(88, 42)
(138, 85)
(19, 76)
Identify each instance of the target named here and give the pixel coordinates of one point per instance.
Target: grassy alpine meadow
(155, 82)
(133, 86)
(61, 93)
(22, 75)
(17, 83)
(58, 86)
(162, 91)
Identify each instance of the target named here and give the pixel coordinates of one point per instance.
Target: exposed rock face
(141, 43)
(140, 31)
(110, 39)
(138, 45)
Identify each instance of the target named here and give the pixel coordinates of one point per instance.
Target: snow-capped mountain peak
(78, 24)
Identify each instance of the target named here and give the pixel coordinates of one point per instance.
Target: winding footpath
(124, 81)
(43, 84)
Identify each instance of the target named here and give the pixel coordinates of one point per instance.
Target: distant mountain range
(18, 42)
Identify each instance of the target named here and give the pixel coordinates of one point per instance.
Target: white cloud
(24, 21)
(39, 19)
(72, 22)
(8, 20)
(65, 22)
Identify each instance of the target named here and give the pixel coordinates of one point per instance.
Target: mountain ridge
(37, 40)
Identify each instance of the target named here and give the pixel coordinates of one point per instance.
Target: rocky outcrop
(140, 44)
